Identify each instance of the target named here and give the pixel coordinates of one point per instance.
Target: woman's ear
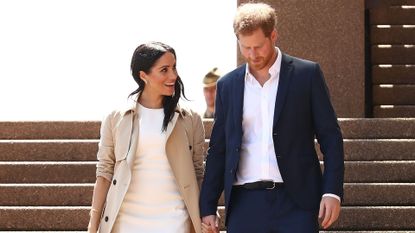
(143, 76)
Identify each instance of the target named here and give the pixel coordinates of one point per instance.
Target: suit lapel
(238, 86)
(283, 86)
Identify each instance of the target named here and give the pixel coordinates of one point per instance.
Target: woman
(150, 157)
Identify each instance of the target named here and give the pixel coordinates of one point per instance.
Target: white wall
(69, 59)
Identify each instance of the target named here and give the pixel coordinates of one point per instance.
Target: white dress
(152, 203)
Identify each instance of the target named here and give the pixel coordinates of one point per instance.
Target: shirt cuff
(332, 195)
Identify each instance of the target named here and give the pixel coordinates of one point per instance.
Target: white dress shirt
(258, 160)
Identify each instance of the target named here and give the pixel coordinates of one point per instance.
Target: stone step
(366, 128)
(374, 194)
(379, 149)
(44, 218)
(377, 128)
(366, 218)
(220, 231)
(382, 218)
(46, 194)
(85, 150)
(43, 231)
(356, 194)
(84, 172)
(48, 150)
(47, 172)
(352, 128)
(49, 129)
(379, 171)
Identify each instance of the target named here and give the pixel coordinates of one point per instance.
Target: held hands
(329, 211)
(210, 224)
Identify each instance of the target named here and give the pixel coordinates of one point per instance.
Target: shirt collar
(274, 70)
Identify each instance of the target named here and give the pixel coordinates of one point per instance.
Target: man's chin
(256, 66)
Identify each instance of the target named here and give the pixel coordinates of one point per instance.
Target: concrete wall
(332, 34)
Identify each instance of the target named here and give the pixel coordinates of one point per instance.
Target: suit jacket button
(274, 134)
(114, 182)
(231, 171)
(106, 219)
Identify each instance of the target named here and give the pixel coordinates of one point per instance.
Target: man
(209, 91)
(262, 149)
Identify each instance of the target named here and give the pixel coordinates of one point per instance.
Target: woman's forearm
(98, 199)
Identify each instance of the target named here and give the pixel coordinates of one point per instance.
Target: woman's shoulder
(187, 111)
(120, 112)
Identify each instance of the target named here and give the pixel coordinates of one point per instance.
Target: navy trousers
(268, 211)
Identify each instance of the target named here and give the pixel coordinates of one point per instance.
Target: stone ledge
(352, 128)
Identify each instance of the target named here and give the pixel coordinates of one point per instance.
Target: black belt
(261, 185)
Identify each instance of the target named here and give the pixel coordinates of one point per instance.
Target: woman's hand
(210, 224)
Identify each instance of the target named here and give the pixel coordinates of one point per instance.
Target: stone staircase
(47, 171)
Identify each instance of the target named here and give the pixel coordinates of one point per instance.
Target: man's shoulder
(234, 74)
(297, 61)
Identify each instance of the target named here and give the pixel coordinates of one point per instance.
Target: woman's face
(162, 76)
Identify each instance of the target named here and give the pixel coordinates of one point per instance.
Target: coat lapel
(238, 96)
(176, 152)
(283, 86)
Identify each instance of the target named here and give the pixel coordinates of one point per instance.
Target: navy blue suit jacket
(303, 112)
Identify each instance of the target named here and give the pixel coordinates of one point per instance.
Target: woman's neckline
(150, 109)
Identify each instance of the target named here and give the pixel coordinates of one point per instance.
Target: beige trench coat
(184, 149)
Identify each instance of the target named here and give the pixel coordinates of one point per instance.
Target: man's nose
(252, 53)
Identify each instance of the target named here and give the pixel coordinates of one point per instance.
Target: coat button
(114, 182)
(274, 134)
(106, 218)
(237, 149)
(231, 171)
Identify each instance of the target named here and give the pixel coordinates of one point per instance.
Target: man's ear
(274, 36)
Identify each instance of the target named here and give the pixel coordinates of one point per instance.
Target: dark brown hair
(144, 58)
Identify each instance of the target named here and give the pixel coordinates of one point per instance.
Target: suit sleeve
(328, 135)
(213, 182)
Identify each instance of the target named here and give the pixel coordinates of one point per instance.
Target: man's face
(257, 49)
(210, 93)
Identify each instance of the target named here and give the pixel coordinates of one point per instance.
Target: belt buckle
(273, 186)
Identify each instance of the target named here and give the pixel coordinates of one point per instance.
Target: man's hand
(210, 224)
(329, 211)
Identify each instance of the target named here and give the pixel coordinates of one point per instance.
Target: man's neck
(263, 75)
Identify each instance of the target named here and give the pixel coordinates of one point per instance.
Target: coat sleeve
(105, 155)
(213, 182)
(198, 146)
(328, 135)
